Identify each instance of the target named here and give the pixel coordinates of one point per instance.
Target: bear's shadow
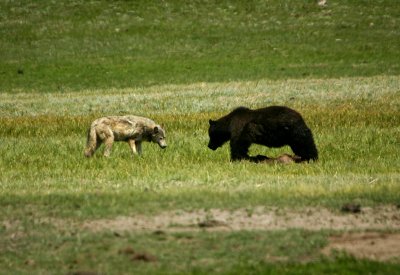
(283, 159)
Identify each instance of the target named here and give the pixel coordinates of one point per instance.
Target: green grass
(355, 122)
(65, 63)
(45, 175)
(56, 46)
(204, 253)
(51, 251)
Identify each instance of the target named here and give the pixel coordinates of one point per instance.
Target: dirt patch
(351, 208)
(368, 245)
(259, 218)
(211, 223)
(371, 245)
(378, 245)
(137, 256)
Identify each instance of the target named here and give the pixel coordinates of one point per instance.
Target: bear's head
(218, 134)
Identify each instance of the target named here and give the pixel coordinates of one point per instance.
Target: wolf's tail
(91, 142)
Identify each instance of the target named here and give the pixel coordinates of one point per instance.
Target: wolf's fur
(132, 129)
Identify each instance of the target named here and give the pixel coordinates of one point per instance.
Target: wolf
(130, 128)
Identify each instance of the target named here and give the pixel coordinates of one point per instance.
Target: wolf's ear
(212, 122)
(156, 130)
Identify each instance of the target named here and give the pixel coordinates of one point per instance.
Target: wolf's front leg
(133, 146)
(139, 147)
(108, 145)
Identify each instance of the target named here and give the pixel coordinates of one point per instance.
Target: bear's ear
(212, 122)
(155, 130)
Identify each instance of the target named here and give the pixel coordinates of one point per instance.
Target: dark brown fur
(273, 126)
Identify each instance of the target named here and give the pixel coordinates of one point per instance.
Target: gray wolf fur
(131, 129)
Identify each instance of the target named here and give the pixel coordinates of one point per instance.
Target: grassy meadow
(65, 63)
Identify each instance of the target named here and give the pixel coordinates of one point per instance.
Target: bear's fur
(273, 126)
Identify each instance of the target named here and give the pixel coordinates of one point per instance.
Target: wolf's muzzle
(163, 145)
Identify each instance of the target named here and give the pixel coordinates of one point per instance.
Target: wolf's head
(158, 136)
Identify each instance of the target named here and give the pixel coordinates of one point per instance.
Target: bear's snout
(212, 147)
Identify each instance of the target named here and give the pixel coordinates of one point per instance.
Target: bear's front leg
(239, 150)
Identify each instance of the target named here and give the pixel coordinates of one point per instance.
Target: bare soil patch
(259, 218)
(358, 223)
(365, 228)
(368, 245)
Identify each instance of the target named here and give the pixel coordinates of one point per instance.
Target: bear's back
(271, 117)
(277, 114)
(238, 117)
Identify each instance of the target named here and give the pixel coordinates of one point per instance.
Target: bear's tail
(91, 142)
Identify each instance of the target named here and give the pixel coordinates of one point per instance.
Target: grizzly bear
(273, 126)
